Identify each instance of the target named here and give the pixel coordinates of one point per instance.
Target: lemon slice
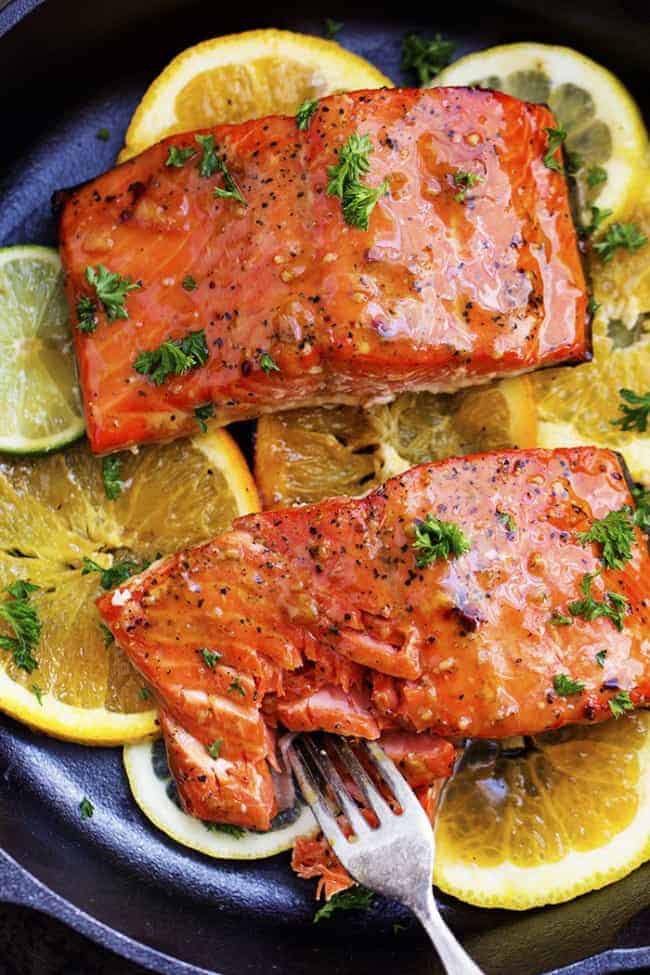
(54, 514)
(306, 455)
(569, 815)
(603, 123)
(41, 408)
(243, 76)
(155, 793)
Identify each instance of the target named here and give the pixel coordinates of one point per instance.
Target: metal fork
(396, 858)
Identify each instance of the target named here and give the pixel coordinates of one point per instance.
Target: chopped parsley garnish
(106, 633)
(435, 539)
(115, 575)
(203, 413)
(596, 175)
(358, 199)
(425, 56)
(214, 749)
(111, 290)
(597, 217)
(210, 657)
(236, 688)
(600, 657)
(305, 112)
(20, 614)
(268, 363)
(615, 535)
(466, 181)
(37, 692)
(111, 476)
(211, 163)
(188, 283)
(103, 135)
(177, 156)
(573, 162)
(507, 520)
(175, 357)
(590, 609)
(332, 27)
(237, 832)
(356, 898)
(620, 703)
(555, 139)
(145, 693)
(593, 306)
(566, 686)
(86, 314)
(620, 235)
(642, 511)
(635, 409)
(557, 619)
(86, 808)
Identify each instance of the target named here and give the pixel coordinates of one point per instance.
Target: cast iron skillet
(67, 70)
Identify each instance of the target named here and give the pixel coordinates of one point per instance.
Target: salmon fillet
(469, 268)
(343, 616)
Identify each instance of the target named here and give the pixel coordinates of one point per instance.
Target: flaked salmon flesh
(469, 268)
(320, 617)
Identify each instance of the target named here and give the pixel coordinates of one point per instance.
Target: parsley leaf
(211, 163)
(600, 657)
(236, 687)
(426, 57)
(557, 619)
(597, 217)
(358, 200)
(86, 314)
(21, 616)
(111, 476)
(465, 180)
(37, 692)
(642, 510)
(145, 693)
(593, 306)
(111, 290)
(103, 135)
(178, 157)
(305, 112)
(203, 413)
(596, 175)
(635, 410)
(555, 139)
(332, 27)
(615, 534)
(625, 235)
(108, 636)
(86, 808)
(356, 898)
(237, 832)
(214, 749)
(115, 575)
(590, 609)
(188, 283)
(268, 363)
(435, 539)
(175, 357)
(210, 657)
(566, 686)
(507, 520)
(620, 703)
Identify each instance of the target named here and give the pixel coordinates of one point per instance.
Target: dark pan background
(68, 69)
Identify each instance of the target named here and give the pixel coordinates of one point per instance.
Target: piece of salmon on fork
(390, 240)
(488, 596)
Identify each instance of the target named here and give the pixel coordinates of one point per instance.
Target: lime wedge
(38, 386)
(606, 141)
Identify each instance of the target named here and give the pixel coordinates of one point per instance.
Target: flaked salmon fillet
(469, 268)
(327, 617)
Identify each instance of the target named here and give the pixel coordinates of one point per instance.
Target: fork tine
(392, 776)
(374, 798)
(312, 794)
(331, 776)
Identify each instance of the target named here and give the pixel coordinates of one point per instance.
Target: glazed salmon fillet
(276, 293)
(486, 596)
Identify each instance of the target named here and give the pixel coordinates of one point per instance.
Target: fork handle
(453, 956)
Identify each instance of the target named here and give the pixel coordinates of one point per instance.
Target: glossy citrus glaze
(436, 294)
(324, 620)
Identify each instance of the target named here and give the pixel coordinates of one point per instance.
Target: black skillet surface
(67, 70)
